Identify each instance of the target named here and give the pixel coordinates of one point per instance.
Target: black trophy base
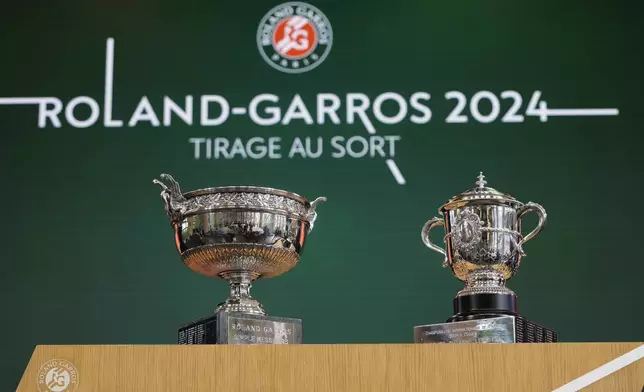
(481, 306)
(240, 328)
(485, 318)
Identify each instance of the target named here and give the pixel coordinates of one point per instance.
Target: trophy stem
(239, 299)
(485, 282)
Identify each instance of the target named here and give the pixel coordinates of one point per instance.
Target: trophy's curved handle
(171, 196)
(312, 215)
(424, 234)
(541, 213)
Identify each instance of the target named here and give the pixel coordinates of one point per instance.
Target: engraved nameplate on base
(492, 330)
(239, 328)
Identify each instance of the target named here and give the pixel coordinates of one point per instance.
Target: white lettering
(221, 147)
(474, 107)
(336, 143)
(359, 146)
(238, 148)
(52, 115)
(392, 139)
(108, 122)
(205, 105)
(274, 112)
(297, 148)
(297, 110)
(169, 107)
(144, 112)
(350, 148)
(380, 116)
(197, 142)
(426, 112)
(360, 110)
(258, 152)
(323, 110)
(309, 151)
(376, 144)
(274, 147)
(93, 106)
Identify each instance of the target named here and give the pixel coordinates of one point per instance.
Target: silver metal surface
(491, 330)
(484, 244)
(241, 329)
(240, 234)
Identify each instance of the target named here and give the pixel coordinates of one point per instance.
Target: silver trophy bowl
(238, 233)
(484, 244)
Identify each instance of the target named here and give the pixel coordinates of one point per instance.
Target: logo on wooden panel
(57, 375)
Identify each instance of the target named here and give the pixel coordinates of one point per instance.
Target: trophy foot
(484, 305)
(239, 299)
(246, 306)
(485, 282)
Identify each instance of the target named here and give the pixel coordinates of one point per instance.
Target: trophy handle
(541, 213)
(312, 215)
(425, 237)
(171, 196)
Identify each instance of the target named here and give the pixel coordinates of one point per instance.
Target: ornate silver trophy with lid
(240, 234)
(484, 248)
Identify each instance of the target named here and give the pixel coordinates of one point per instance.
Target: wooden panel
(630, 378)
(383, 367)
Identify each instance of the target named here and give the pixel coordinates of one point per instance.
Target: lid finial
(481, 181)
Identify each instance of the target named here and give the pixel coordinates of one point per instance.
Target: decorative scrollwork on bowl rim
(244, 200)
(250, 198)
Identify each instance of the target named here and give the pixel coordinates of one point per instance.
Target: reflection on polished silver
(484, 244)
(239, 233)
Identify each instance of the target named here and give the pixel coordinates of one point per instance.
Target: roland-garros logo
(294, 37)
(57, 375)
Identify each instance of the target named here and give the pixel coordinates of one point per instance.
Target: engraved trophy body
(484, 248)
(240, 234)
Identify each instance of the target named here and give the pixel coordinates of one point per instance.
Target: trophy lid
(480, 194)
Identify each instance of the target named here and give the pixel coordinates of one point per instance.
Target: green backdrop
(88, 254)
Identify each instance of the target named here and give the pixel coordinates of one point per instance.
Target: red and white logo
(294, 37)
